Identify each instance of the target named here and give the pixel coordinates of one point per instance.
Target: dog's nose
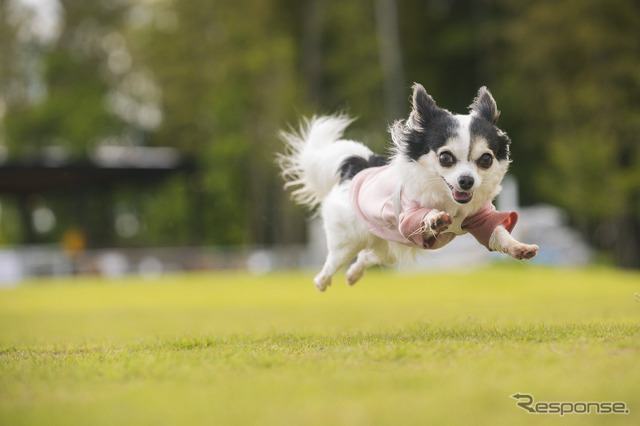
(465, 182)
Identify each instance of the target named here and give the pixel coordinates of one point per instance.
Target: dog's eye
(485, 161)
(447, 159)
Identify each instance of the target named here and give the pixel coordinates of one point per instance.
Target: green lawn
(395, 349)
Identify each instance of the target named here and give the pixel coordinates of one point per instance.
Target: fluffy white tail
(313, 155)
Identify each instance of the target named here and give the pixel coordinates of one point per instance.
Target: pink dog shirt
(379, 202)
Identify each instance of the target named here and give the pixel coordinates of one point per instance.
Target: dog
(439, 182)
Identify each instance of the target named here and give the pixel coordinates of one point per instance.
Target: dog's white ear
(424, 108)
(485, 106)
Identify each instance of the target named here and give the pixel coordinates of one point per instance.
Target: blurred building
(31, 182)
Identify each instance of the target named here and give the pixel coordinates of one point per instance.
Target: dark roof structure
(106, 167)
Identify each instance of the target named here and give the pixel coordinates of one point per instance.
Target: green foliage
(578, 82)
(571, 85)
(226, 72)
(237, 349)
(70, 112)
(56, 120)
(169, 212)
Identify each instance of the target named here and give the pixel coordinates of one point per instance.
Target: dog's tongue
(462, 196)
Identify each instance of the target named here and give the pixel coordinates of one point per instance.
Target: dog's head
(463, 157)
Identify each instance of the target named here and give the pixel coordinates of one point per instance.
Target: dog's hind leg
(336, 259)
(346, 234)
(365, 259)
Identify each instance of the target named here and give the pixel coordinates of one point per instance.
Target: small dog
(442, 176)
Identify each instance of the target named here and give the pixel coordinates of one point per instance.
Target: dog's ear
(427, 128)
(424, 108)
(485, 106)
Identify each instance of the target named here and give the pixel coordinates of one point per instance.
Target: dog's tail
(313, 156)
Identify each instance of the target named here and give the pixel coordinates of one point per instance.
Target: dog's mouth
(460, 197)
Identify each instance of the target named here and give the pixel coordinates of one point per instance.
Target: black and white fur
(452, 164)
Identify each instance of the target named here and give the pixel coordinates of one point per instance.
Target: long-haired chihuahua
(444, 172)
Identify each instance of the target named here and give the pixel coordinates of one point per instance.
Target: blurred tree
(352, 78)
(313, 22)
(390, 54)
(569, 74)
(14, 56)
(337, 52)
(68, 110)
(226, 72)
(443, 43)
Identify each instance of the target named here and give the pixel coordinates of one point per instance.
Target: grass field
(445, 348)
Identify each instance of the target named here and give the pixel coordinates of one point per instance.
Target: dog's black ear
(427, 128)
(485, 106)
(424, 107)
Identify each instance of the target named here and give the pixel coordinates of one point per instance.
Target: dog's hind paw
(354, 274)
(321, 282)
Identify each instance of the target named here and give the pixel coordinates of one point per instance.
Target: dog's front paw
(436, 222)
(522, 251)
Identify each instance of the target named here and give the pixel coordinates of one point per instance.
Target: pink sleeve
(411, 223)
(482, 223)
